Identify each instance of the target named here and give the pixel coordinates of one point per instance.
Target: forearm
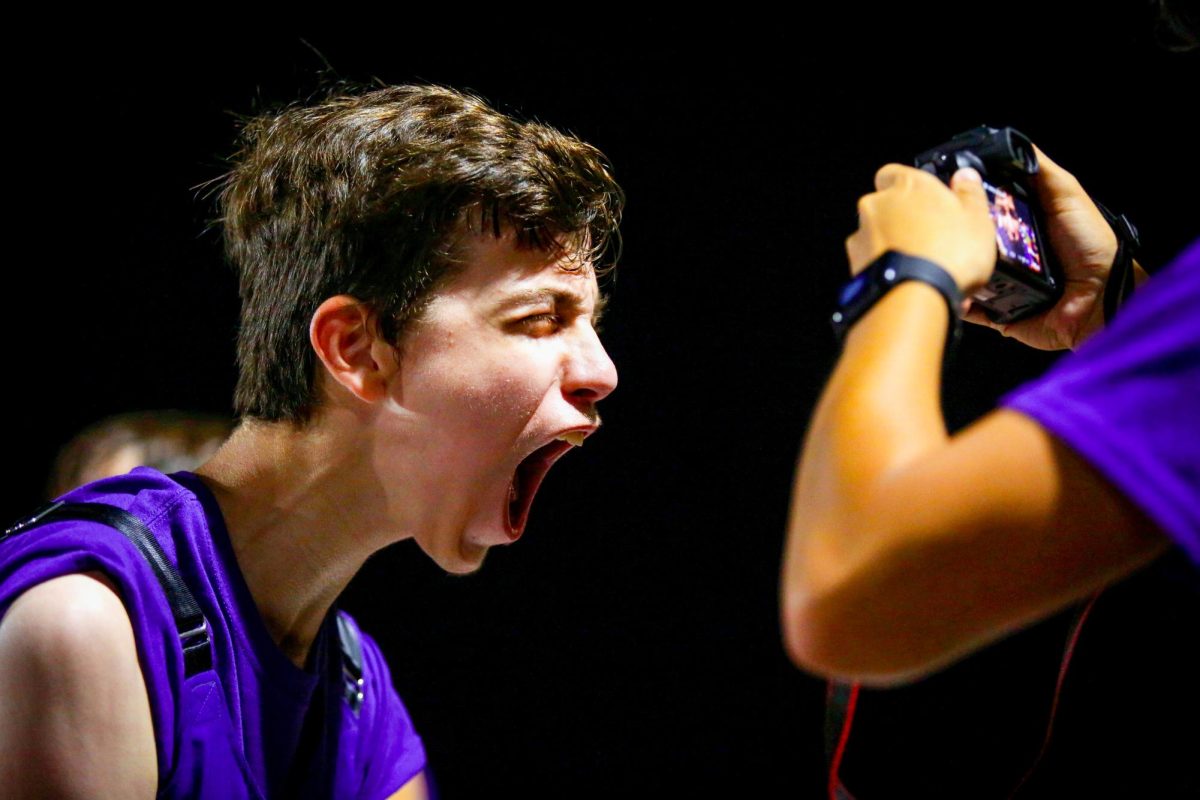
(879, 412)
(882, 404)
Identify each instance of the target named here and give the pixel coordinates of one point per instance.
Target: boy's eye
(539, 324)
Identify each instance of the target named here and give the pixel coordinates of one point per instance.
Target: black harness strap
(352, 663)
(189, 621)
(314, 746)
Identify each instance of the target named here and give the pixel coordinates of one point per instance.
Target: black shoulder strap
(352, 662)
(189, 621)
(316, 746)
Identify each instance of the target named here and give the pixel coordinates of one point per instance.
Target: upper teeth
(574, 437)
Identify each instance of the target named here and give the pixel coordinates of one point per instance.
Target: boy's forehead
(496, 268)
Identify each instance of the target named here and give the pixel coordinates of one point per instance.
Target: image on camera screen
(1016, 236)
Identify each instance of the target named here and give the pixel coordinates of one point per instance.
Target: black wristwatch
(885, 272)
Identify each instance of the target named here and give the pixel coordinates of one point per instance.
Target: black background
(629, 642)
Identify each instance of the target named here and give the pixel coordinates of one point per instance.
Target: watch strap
(886, 272)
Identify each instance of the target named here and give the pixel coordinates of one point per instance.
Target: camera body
(1027, 279)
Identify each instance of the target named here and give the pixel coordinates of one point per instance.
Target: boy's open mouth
(528, 477)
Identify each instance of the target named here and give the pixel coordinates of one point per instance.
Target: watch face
(853, 290)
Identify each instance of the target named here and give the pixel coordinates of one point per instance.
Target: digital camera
(1027, 279)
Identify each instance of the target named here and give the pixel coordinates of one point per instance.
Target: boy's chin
(463, 552)
(464, 559)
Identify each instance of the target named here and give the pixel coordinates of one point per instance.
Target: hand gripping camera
(1027, 279)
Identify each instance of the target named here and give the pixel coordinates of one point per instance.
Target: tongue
(514, 505)
(520, 494)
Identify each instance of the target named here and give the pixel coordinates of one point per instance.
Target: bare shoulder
(74, 627)
(415, 789)
(76, 709)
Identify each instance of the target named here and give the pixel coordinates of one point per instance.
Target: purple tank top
(235, 730)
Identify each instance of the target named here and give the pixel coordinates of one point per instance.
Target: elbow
(831, 641)
(852, 612)
(803, 640)
(813, 573)
(815, 614)
(812, 641)
(811, 638)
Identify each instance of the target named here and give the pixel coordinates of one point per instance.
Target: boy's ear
(345, 335)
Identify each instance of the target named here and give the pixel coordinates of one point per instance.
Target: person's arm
(76, 720)
(908, 548)
(415, 789)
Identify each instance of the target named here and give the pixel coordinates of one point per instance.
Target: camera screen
(1016, 234)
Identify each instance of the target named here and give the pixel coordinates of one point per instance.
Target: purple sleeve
(390, 749)
(1128, 401)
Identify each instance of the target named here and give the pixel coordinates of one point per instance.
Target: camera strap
(1119, 285)
(841, 701)
(1081, 615)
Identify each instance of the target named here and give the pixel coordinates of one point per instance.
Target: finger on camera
(891, 174)
(967, 183)
(976, 315)
(1052, 181)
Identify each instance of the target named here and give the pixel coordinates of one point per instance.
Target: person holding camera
(909, 548)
